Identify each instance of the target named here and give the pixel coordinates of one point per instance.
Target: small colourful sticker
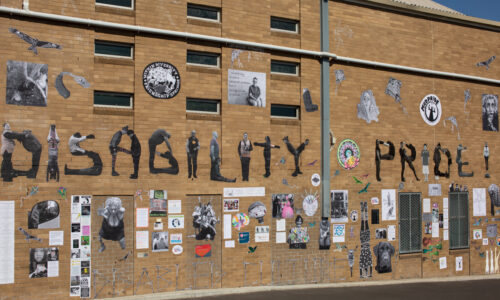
(348, 154)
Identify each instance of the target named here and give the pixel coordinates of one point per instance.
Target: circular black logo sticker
(430, 109)
(161, 80)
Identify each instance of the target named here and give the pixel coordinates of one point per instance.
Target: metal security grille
(410, 223)
(459, 220)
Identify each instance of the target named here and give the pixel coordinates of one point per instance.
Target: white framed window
(285, 25)
(205, 59)
(203, 106)
(112, 99)
(202, 12)
(285, 111)
(113, 49)
(127, 4)
(284, 68)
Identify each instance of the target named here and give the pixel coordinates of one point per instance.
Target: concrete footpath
(447, 288)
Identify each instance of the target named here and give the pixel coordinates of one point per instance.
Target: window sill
(203, 117)
(98, 110)
(201, 69)
(410, 255)
(284, 121)
(290, 35)
(115, 10)
(459, 251)
(293, 78)
(113, 61)
(201, 22)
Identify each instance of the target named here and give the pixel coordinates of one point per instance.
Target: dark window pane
(202, 58)
(112, 99)
(459, 220)
(202, 105)
(284, 111)
(283, 67)
(283, 24)
(124, 3)
(203, 12)
(113, 49)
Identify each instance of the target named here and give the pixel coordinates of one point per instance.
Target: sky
(485, 9)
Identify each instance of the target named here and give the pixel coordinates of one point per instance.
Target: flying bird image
(312, 163)
(357, 180)
(35, 43)
(365, 189)
(487, 62)
(252, 249)
(29, 236)
(365, 176)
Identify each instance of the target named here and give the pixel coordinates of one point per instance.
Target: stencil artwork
(192, 148)
(405, 159)
(26, 83)
(112, 228)
(76, 150)
(493, 191)
(61, 88)
(161, 80)
(44, 215)
(246, 88)
(339, 202)
(324, 234)
(430, 109)
(44, 262)
(367, 107)
(156, 139)
(379, 157)
(135, 151)
(35, 43)
(296, 153)
(454, 124)
(267, 154)
(283, 206)
(388, 205)
(425, 162)
(339, 77)
(159, 241)
(486, 155)
(490, 112)
(310, 204)
(486, 63)
(29, 142)
(365, 257)
(204, 221)
(298, 236)
(467, 99)
(437, 160)
(383, 251)
(306, 96)
(348, 154)
(393, 89)
(244, 150)
(257, 210)
(215, 160)
(114, 148)
(461, 163)
(350, 259)
(52, 165)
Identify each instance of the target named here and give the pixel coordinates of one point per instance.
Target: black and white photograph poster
(246, 88)
(44, 215)
(161, 80)
(26, 83)
(339, 203)
(44, 262)
(388, 205)
(159, 241)
(490, 112)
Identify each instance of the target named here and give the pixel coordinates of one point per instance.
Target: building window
(110, 99)
(459, 220)
(203, 58)
(284, 111)
(203, 12)
(119, 3)
(284, 67)
(410, 223)
(282, 24)
(113, 49)
(203, 106)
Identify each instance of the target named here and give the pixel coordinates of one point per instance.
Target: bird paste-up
(35, 43)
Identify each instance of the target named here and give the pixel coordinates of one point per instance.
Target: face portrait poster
(159, 241)
(158, 203)
(26, 83)
(44, 262)
(246, 88)
(339, 203)
(490, 112)
(388, 205)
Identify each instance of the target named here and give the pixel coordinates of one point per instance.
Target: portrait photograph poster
(241, 87)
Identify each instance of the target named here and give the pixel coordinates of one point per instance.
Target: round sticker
(310, 205)
(430, 109)
(177, 249)
(348, 154)
(240, 220)
(161, 80)
(354, 215)
(315, 179)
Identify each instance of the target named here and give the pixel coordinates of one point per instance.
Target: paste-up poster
(339, 203)
(479, 202)
(442, 263)
(44, 262)
(261, 234)
(159, 241)
(459, 263)
(80, 246)
(27, 83)
(176, 221)
(158, 203)
(7, 241)
(338, 231)
(246, 88)
(388, 205)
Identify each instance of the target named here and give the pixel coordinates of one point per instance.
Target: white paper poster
(229, 244)
(435, 189)
(142, 240)
(281, 225)
(245, 192)
(445, 235)
(442, 263)
(338, 233)
(7, 229)
(142, 217)
(427, 205)
(435, 229)
(459, 263)
(227, 226)
(391, 232)
(479, 202)
(261, 234)
(175, 221)
(53, 268)
(485, 242)
(388, 205)
(445, 203)
(280, 237)
(176, 238)
(56, 238)
(174, 206)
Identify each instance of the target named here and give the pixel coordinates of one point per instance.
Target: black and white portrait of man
(159, 241)
(246, 88)
(112, 227)
(490, 112)
(26, 83)
(367, 107)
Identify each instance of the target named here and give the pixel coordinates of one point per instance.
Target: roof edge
(428, 12)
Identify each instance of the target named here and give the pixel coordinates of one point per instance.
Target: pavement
(447, 288)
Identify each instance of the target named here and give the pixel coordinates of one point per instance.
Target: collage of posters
(80, 246)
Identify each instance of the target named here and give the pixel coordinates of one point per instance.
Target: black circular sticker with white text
(161, 80)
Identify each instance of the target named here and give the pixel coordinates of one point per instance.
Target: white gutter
(187, 35)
